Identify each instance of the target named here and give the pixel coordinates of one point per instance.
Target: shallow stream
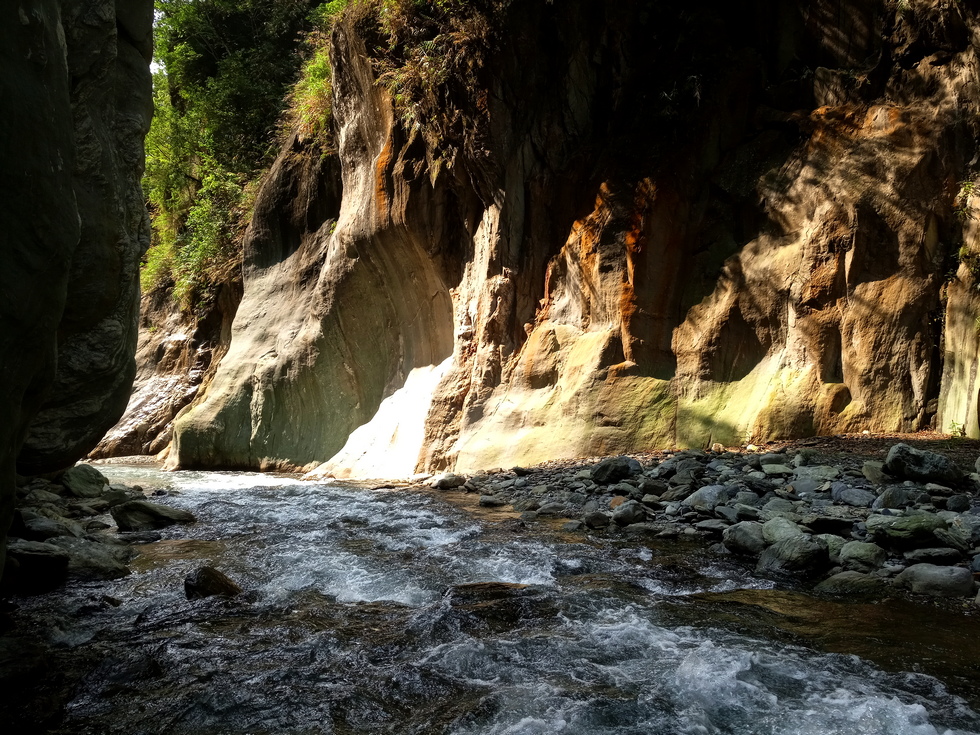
(374, 611)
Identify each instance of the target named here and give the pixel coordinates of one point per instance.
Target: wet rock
(801, 554)
(552, 509)
(572, 526)
(42, 528)
(852, 583)
(744, 538)
(908, 463)
(136, 538)
(777, 529)
(937, 556)
(447, 481)
(84, 481)
(628, 513)
(39, 566)
(209, 582)
(860, 556)
(905, 532)
(493, 501)
(938, 581)
(142, 515)
(90, 560)
(614, 469)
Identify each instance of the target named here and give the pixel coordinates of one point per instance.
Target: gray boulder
(801, 554)
(777, 529)
(596, 519)
(852, 496)
(852, 584)
(908, 463)
(834, 545)
(894, 497)
(142, 515)
(707, 497)
(940, 556)
(744, 538)
(84, 481)
(859, 556)
(938, 581)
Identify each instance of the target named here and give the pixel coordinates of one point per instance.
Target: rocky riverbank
(854, 527)
(79, 527)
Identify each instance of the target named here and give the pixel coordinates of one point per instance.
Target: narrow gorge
(490, 367)
(567, 230)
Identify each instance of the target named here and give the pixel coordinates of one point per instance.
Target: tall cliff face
(604, 227)
(75, 85)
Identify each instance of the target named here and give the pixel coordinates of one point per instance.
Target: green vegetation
(225, 68)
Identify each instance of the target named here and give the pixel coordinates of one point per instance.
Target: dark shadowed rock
(905, 532)
(142, 515)
(208, 582)
(84, 481)
(614, 469)
(39, 566)
(909, 463)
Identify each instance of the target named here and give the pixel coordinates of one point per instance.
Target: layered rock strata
(625, 227)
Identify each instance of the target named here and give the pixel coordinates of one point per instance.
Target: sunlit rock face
(657, 227)
(77, 103)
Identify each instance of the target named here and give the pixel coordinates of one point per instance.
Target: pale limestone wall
(777, 275)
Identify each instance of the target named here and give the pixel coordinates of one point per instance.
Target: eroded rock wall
(633, 226)
(75, 85)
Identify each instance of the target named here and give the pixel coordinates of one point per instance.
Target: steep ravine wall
(634, 226)
(76, 93)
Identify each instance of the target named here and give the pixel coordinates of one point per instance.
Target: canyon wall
(601, 228)
(75, 83)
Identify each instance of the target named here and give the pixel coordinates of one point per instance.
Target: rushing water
(392, 612)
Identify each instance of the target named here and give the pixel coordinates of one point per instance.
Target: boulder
(142, 515)
(447, 481)
(744, 538)
(42, 528)
(940, 556)
(852, 496)
(707, 497)
(909, 463)
(860, 556)
(905, 532)
(596, 519)
(777, 529)
(851, 583)
(628, 513)
(874, 472)
(802, 554)
(938, 581)
(614, 469)
(493, 501)
(834, 545)
(84, 481)
(90, 560)
(207, 581)
(895, 497)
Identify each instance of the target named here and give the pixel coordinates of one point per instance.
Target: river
(387, 611)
